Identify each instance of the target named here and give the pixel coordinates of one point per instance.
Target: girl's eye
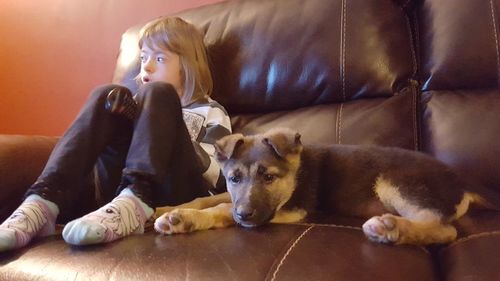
(160, 59)
(143, 59)
(235, 179)
(268, 178)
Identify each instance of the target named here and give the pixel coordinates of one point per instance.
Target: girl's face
(159, 64)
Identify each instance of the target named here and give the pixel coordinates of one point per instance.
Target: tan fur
(416, 225)
(289, 216)
(197, 204)
(390, 228)
(200, 214)
(188, 220)
(286, 186)
(420, 227)
(283, 189)
(389, 195)
(263, 155)
(182, 220)
(463, 206)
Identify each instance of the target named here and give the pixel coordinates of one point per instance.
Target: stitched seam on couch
(412, 44)
(329, 225)
(282, 261)
(413, 88)
(495, 34)
(349, 227)
(339, 124)
(413, 91)
(472, 237)
(343, 27)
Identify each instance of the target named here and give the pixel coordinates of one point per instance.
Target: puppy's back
(343, 177)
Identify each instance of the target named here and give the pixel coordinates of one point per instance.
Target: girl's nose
(148, 66)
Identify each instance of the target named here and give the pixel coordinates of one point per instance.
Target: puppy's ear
(283, 141)
(226, 146)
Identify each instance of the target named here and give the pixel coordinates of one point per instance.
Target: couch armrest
(22, 158)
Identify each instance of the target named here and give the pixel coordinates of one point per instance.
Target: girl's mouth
(145, 79)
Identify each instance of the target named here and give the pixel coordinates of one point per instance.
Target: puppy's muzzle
(244, 213)
(249, 216)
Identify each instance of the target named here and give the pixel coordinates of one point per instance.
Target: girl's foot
(34, 217)
(123, 216)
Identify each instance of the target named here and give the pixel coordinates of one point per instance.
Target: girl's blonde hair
(183, 39)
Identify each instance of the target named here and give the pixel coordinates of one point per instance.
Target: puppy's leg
(389, 228)
(197, 204)
(189, 220)
(416, 225)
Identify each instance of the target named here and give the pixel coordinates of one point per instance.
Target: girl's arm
(217, 125)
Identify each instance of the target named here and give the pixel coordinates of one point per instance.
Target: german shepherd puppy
(408, 197)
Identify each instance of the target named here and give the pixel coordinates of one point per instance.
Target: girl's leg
(75, 155)
(62, 181)
(161, 154)
(161, 167)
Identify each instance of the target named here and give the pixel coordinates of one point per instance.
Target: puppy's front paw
(382, 229)
(176, 221)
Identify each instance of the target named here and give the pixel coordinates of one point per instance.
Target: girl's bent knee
(159, 92)
(100, 93)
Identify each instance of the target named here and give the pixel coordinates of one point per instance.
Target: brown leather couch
(420, 75)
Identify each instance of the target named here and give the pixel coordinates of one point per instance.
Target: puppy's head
(260, 172)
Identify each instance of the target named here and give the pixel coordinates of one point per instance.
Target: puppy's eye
(268, 178)
(235, 179)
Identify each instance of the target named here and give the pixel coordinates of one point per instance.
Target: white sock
(123, 216)
(34, 217)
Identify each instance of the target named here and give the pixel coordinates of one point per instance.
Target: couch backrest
(460, 63)
(459, 44)
(338, 71)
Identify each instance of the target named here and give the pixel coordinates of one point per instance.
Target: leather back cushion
(335, 70)
(460, 73)
(459, 42)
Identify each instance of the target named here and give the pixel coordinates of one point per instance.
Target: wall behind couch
(53, 52)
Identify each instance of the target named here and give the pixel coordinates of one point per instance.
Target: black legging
(152, 155)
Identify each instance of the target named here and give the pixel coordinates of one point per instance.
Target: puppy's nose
(244, 213)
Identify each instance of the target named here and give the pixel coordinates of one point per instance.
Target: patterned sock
(34, 217)
(123, 216)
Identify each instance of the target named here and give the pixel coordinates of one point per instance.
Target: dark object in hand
(120, 101)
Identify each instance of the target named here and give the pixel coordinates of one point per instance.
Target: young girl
(164, 155)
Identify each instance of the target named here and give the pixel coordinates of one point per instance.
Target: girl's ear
(226, 146)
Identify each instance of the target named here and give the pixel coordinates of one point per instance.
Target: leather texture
(459, 44)
(285, 54)
(273, 252)
(21, 160)
(422, 75)
(293, 58)
(461, 128)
